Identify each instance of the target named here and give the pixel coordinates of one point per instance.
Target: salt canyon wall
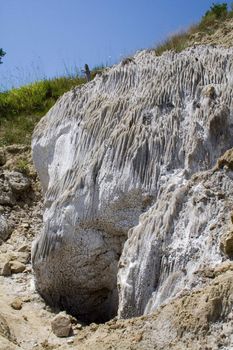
(133, 211)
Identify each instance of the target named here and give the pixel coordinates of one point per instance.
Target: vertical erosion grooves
(112, 150)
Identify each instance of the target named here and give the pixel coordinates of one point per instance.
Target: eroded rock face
(177, 239)
(125, 144)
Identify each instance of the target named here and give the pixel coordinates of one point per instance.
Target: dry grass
(176, 42)
(209, 23)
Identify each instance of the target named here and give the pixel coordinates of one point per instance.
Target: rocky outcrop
(116, 159)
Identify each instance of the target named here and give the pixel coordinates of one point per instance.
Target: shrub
(214, 14)
(217, 10)
(2, 54)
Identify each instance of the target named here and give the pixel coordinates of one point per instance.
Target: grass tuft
(176, 42)
(22, 165)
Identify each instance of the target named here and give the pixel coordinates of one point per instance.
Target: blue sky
(45, 38)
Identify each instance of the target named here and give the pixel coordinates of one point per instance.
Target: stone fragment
(226, 244)
(78, 326)
(17, 266)
(215, 309)
(17, 304)
(26, 299)
(23, 257)
(6, 269)
(93, 327)
(24, 248)
(138, 337)
(18, 182)
(61, 325)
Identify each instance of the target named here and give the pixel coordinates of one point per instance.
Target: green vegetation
(211, 21)
(22, 108)
(2, 54)
(216, 11)
(214, 16)
(22, 165)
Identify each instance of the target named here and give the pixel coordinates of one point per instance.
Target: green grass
(22, 108)
(209, 23)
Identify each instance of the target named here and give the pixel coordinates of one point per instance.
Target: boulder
(6, 269)
(18, 182)
(17, 266)
(61, 325)
(17, 304)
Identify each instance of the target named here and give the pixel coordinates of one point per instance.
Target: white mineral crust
(124, 163)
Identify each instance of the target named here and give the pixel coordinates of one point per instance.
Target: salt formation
(116, 158)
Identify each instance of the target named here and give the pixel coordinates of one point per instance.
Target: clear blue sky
(44, 38)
